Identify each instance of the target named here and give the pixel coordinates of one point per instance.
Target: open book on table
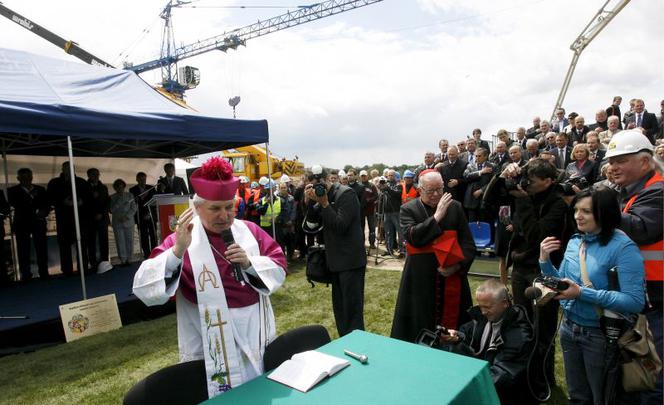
(304, 370)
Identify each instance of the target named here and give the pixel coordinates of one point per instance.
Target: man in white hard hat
(630, 155)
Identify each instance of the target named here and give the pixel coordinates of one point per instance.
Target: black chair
(180, 384)
(294, 341)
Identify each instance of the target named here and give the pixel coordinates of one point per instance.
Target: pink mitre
(214, 180)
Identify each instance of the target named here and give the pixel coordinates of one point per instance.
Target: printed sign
(89, 317)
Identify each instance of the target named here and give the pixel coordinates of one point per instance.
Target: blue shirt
(622, 252)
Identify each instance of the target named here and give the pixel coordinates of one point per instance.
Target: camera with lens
(553, 283)
(521, 180)
(318, 175)
(430, 338)
(580, 182)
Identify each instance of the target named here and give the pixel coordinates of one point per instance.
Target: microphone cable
(536, 331)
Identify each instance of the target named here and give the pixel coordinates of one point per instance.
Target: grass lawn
(100, 369)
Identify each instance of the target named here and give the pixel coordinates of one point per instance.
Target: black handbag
(317, 270)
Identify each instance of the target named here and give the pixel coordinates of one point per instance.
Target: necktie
(638, 120)
(561, 156)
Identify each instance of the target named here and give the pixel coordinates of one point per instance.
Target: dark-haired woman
(600, 246)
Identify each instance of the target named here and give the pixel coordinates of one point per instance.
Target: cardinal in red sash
(434, 284)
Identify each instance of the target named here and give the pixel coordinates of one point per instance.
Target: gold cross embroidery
(221, 324)
(205, 276)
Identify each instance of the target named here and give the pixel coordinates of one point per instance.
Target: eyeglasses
(433, 190)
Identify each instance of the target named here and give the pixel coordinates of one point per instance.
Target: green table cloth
(396, 373)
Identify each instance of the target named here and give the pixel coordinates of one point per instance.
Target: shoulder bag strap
(582, 264)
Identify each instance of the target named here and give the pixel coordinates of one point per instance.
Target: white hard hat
(342, 173)
(244, 179)
(363, 173)
(284, 179)
(263, 181)
(628, 142)
(103, 267)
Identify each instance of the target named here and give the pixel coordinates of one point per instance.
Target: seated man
(501, 334)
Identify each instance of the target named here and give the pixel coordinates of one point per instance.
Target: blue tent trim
(107, 112)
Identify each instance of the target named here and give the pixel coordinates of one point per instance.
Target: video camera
(545, 288)
(580, 182)
(430, 338)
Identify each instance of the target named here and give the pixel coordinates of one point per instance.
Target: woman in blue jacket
(603, 246)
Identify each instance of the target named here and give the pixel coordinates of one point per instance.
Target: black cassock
(421, 297)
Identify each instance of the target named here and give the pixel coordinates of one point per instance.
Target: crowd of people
(554, 195)
(562, 199)
(97, 210)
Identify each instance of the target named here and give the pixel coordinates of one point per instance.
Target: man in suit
(614, 109)
(339, 209)
(578, 133)
(452, 172)
(532, 149)
(30, 211)
(60, 197)
(559, 122)
(562, 151)
(533, 131)
(99, 220)
(477, 135)
(500, 156)
(145, 215)
(550, 141)
(477, 175)
(429, 163)
(443, 144)
(600, 122)
(461, 147)
(469, 155)
(521, 137)
(172, 184)
(545, 128)
(595, 153)
(643, 120)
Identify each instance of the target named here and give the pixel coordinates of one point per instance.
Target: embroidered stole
(222, 357)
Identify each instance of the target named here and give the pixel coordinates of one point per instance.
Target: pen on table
(362, 358)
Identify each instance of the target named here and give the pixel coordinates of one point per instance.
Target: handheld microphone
(228, 239)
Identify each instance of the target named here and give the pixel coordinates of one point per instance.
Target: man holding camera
(434, 290)
(390, 202)
(338, 208)
(501, 334)
(540, 212)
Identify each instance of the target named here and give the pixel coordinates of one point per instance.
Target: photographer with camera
(540, 211)
(338, 208)
(390, 204)
(597, 247)
(501, 334)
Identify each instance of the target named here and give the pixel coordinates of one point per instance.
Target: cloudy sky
(385, 82)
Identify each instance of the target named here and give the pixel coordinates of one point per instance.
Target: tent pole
(12, 238)
(72, 178)
(269, 177)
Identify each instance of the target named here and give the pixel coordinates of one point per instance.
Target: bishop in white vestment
(223, 318)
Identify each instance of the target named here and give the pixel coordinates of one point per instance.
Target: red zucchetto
(214, 180)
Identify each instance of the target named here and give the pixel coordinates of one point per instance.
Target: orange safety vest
(411, 195)
(653, 254)
(248, 195)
